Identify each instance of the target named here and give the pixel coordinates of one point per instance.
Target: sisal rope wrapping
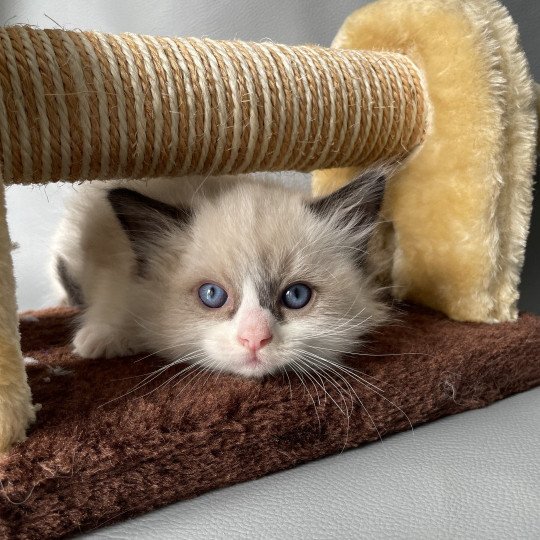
(85, 105)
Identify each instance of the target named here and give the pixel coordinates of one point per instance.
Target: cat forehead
(255, 240)
(255, 218)
(259, 204)
(267, 234)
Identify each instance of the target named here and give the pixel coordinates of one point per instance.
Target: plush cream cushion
(458, 212)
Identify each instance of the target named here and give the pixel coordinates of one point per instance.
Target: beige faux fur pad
(459, 210)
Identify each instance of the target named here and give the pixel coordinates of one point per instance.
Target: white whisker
(370, 386)
(294, 367)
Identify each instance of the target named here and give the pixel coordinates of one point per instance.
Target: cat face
(256, 279)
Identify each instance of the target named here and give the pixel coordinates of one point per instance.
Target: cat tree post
(16, 409)
(85, 105)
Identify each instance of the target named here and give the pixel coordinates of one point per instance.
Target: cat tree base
(96, 456)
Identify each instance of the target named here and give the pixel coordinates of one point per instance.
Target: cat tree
(440, 85)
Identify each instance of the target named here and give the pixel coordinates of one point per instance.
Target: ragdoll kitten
(230, 273)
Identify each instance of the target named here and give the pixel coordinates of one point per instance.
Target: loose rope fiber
(85, 105)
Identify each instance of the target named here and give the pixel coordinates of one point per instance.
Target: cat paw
(102, 341)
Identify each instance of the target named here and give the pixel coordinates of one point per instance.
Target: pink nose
(255, 339)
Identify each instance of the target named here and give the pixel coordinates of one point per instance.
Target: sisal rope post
(85, 105)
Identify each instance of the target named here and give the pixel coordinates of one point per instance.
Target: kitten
(231, 273)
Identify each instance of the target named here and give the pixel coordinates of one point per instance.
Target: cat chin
(251, 367)
(252, 371)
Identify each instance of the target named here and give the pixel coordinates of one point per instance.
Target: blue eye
(296, 296)
(212, 295)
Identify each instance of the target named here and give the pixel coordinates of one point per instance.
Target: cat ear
(145, 220)
(354, 207)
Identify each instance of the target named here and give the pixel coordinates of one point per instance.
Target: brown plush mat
(92, 459)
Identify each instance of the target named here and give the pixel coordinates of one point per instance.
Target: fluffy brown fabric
(94, 457)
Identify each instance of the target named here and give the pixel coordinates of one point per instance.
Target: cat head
(257, 278)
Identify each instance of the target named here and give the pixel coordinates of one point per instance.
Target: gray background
(34, 211)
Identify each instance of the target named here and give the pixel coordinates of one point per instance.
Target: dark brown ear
(356, 204)
(145, 220)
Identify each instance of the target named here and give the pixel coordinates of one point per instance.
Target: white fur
(243, 232)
